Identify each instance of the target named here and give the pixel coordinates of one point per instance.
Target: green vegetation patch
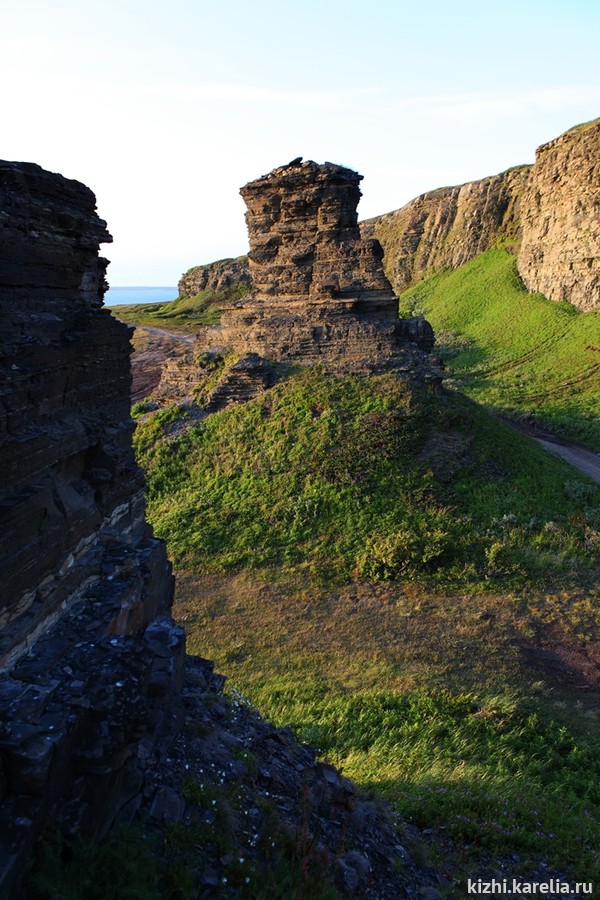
(347, 477)
(481, 771)
(518, 353)
(184, 313)
(427, 700)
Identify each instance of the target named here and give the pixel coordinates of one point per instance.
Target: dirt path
(171, 335)
(584, 460)
(152, 346)
(577, 456)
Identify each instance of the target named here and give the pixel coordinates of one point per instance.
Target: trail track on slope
(577, 456)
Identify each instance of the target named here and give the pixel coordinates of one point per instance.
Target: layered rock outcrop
(448, 227)
(560, 212)
(68, 475)
(216, 276)
(548, 213)
(84, 583)
(319, 293)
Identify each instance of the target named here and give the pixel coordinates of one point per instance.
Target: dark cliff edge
(84, 582)
(104, 718)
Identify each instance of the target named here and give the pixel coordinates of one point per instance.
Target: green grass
(182, 314)
(426, 700)
(345, 528)
(366, 478)
(489, 769)
(518, 353)
(337, 533)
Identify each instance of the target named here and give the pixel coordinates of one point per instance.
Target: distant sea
(115, 295)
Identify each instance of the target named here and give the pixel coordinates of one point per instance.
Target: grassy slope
(183, 314)
(346, 477)
(416, 693)
(517, 353)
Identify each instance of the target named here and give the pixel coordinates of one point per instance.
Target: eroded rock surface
(448, 227)
(560, 210)
(69, 484)
(216, 276)
(82, 575)
(547, 213)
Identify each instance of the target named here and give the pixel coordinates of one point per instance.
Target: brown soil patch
(575, 667)
(151, 348)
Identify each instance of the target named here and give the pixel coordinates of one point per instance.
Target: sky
(166, 108)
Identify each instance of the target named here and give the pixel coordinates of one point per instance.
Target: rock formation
(319, 293)
(560, 211)
(549, 213)
(216, 276)
(447, 227)
(69, 484)
(87, 648)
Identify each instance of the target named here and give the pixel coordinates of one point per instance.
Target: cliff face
(319, 293)
(68, 472)
(560, 211)
(216, 276)
(449, 226)
(82, 577)
(549, 212)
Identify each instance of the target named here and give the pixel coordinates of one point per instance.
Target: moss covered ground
(346, 477)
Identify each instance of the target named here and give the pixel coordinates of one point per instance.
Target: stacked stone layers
(82, 576)
(560, 252)
(448, 227)
(549, 213)
(305, 244)
(319, 293)
(68, 472)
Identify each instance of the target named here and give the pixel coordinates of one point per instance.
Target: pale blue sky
(165, 109)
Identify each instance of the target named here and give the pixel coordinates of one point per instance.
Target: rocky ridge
(448, 227)
(547, 213)
(216, 276)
